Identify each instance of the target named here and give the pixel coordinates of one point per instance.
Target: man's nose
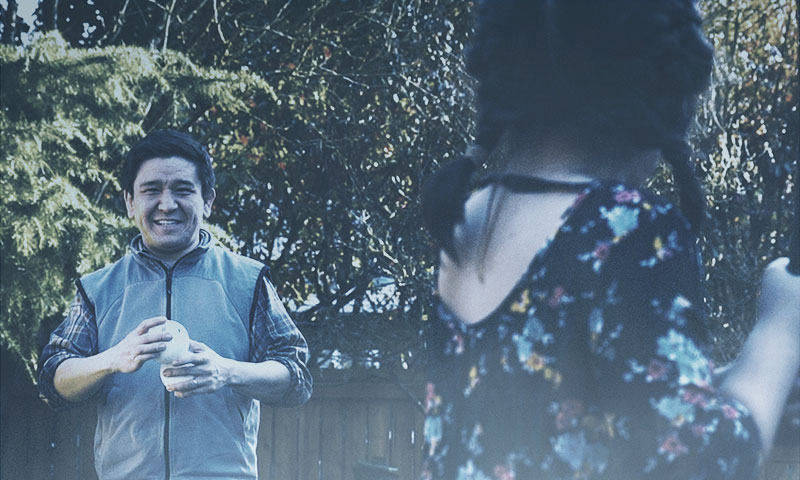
(167, 202)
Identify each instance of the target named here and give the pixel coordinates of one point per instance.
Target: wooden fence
(348, 423)
(341, 426)
(368, 425)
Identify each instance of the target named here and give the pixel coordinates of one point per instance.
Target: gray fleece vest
(143, 431)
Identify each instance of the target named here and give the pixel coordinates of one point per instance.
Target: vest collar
(140, 251)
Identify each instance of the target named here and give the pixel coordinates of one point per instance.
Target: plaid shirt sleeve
(76, 337)
(274, 336)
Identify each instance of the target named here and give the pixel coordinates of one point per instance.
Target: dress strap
(530, 183)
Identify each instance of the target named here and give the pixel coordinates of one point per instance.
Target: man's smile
(166, 222)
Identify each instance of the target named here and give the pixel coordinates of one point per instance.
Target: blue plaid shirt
(273, 336)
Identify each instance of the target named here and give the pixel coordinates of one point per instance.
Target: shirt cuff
(300, 385)
(47, 389)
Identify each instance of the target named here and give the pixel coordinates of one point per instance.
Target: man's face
(168, 207)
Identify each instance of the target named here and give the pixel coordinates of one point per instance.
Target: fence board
(265, 442)
(419, 443)
(85, 445)
(39, 441)
(310, 428)
(379, 425)
(356, 434)
(66, 438)
(405, 453)
(285, 446)
(332, 440)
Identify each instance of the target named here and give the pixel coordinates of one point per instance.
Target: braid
(692, 197)
(443, 198)
(446, 192)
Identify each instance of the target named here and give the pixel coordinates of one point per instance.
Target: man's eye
(185, 191)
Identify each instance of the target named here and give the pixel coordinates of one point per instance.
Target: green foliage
(321, 178)
(324, 118)
(67, 118)
(752, 142)
(319, 166)
(746, 145)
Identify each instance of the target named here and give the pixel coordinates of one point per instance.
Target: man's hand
(78, 378)
(137, 347)
(210, 371)
(267, 381)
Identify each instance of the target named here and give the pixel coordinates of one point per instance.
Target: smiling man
(244, 350)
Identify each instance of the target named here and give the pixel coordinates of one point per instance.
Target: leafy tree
(752, 119)
(322, 180)
(319, 172)
(67, 118)
(324, 118)
(12, 26)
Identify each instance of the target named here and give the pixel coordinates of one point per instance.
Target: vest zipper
(169, 271)
(166, 392)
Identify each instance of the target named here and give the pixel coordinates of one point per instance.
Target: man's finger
(177, 368)
(186, 358)
(149, 323)
(185, 371)
(153, 337)
(193, 357)
(187, 386)
(195, 391)
(151, 348)
(143, 357)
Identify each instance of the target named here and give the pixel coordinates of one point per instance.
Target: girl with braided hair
(569, 340)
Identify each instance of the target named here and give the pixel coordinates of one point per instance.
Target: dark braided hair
(625, 70)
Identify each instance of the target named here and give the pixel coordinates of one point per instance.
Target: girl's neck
(554, 158)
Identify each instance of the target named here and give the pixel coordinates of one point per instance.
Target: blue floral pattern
(594, 367)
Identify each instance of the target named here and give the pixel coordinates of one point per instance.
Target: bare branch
(216, 20)
(166, 25)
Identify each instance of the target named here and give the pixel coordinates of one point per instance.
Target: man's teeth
(166, 222)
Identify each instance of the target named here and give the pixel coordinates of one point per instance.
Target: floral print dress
(593, 367)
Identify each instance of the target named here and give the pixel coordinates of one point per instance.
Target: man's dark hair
(165, 144)
(629, 71)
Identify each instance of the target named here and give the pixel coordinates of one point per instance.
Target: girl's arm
(762, 376)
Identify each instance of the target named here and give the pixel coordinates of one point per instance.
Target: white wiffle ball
(175, 347)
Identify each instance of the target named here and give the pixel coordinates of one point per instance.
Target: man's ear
(208, 201)
(128, 202)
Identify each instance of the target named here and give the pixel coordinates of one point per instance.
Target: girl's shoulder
(619, 210)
